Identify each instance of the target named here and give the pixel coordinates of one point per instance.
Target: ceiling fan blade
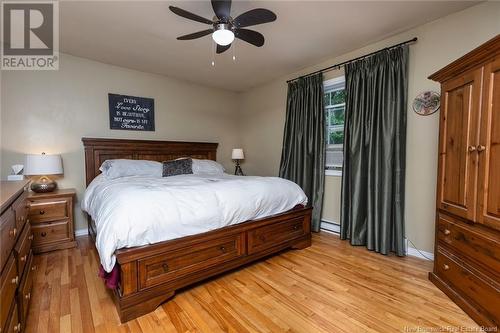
(189, 15)
(222, 9)
(250, 36)
(196, 34)
(254, 17)
(221, 48)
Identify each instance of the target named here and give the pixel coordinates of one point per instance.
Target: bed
(150, 274)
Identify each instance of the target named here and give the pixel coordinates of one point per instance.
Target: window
(335, 114)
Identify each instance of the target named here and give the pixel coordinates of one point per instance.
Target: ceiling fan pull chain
(234, 51)
(214, 45)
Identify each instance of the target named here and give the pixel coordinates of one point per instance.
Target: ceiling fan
(224, 28)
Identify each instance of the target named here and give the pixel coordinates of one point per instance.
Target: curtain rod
(326, 69)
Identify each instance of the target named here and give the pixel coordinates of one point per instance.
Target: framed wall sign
(131, 113)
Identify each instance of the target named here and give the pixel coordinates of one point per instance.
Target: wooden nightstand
(51, 219)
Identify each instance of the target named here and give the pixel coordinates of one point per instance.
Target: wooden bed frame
(149, 275)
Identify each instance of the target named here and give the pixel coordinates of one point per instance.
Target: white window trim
(334, 84)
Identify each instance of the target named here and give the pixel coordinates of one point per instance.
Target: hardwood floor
(329, 287)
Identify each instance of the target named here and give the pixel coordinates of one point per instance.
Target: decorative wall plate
(426, 103)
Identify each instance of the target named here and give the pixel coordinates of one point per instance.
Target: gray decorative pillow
(177, 167)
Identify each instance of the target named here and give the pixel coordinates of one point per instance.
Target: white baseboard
(81, 232)
(411, 251)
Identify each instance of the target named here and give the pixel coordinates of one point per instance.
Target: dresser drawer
(184, 261)
(469, 285)
(9, 280)
(8, 235)
(20, 207)
(50, 232)
(48, 210)
(22, 249)
(25, 289)
(271, 235)
(479, 246)
(13, 325)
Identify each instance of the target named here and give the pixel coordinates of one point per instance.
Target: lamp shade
(237, 154)
(42, 164)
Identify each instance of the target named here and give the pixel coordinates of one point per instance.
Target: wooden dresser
(16, 257)
(467, 253)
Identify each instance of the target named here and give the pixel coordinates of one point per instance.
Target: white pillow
(207, 167)
(112, 169)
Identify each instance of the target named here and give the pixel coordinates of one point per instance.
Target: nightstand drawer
(50, 232)
(48, 210)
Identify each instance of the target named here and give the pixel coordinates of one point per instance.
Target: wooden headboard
(98, 150)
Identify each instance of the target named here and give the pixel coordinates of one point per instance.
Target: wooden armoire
(467, 251)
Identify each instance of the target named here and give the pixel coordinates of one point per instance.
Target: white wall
(439, 43)
(51, 111)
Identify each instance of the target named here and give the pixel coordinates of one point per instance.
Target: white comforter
(135, 211)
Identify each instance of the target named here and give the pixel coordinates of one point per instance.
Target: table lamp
(238, 155)
(43, 165)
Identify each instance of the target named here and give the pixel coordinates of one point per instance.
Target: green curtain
(374, 151)
(303, 154)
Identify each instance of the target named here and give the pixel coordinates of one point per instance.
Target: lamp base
(43, 184)
(237, 170)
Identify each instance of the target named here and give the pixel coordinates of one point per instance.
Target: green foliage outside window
(336, 138)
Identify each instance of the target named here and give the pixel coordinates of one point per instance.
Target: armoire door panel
(489, 156)
(461, 100)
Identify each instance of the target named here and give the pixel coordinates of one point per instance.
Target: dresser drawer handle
(21, 218)
(23, 258)
(295, 227)
(42, 212)
(446, 267)
(30, 237)
(223, 249)
(13, 232)
(446, 232)
(43, 234)
(15, 280)
(165, 267)
(17, 328)
(27, 296)
(33, 268)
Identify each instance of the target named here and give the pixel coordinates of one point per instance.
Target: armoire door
(489, 149)
(457, 174)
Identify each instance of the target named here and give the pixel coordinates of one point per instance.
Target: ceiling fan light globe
(223, 36)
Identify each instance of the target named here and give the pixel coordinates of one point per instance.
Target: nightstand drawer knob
(42, 212)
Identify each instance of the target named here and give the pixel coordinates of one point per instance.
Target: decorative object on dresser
(16, 172)
(51, 218)
(237, 155)
(16, 257)
(467, 251)
(43, 165)
(151, 274)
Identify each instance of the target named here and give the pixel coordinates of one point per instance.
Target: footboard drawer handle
(295, 227)
(165, 267)
(223, 249)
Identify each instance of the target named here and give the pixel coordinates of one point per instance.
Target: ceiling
(142, 35)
